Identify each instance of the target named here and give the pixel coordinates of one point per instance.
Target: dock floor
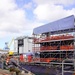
(6, 72)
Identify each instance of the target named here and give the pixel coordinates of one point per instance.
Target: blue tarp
(29, 53)
(62, 24)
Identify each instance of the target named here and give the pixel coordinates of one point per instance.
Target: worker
(21, 58)
(13, 64)
(30, 58)
(3, 61)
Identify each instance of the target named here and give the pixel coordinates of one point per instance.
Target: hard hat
(11, 53)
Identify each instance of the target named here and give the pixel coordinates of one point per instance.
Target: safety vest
(29, 58)
(21, 58)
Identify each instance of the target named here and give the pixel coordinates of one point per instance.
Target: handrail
(67, 64)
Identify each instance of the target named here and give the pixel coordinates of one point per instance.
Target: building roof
(23, 37)
(62, 24)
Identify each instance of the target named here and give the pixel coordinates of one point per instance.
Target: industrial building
(23, 44)
(56, 40)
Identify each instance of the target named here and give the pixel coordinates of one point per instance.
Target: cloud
(6, 5)
(12, 18)
(14, 21)
(64, 2)
(46, 11)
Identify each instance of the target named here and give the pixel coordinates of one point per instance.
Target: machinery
(8, 45)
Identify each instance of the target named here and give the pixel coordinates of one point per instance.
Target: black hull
(43, 70)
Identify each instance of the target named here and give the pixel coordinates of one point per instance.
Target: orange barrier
(48, 48)
(53, 38)
(66, 47)
(48, 59)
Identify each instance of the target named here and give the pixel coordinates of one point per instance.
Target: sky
(20, 17)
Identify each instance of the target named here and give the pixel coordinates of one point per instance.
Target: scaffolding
(57, 44)
(54, 45)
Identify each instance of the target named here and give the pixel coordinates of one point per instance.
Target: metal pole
(74, 52)
(62, 67)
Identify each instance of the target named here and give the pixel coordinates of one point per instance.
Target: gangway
(68, 66)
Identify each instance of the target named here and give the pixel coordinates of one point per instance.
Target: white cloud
(12, 18)
(6, 5)
(64, 2)
(50, 12)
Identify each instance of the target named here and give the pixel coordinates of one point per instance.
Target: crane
(7, 46)
(10, 43)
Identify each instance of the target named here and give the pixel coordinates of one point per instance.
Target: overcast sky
(20, 17)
